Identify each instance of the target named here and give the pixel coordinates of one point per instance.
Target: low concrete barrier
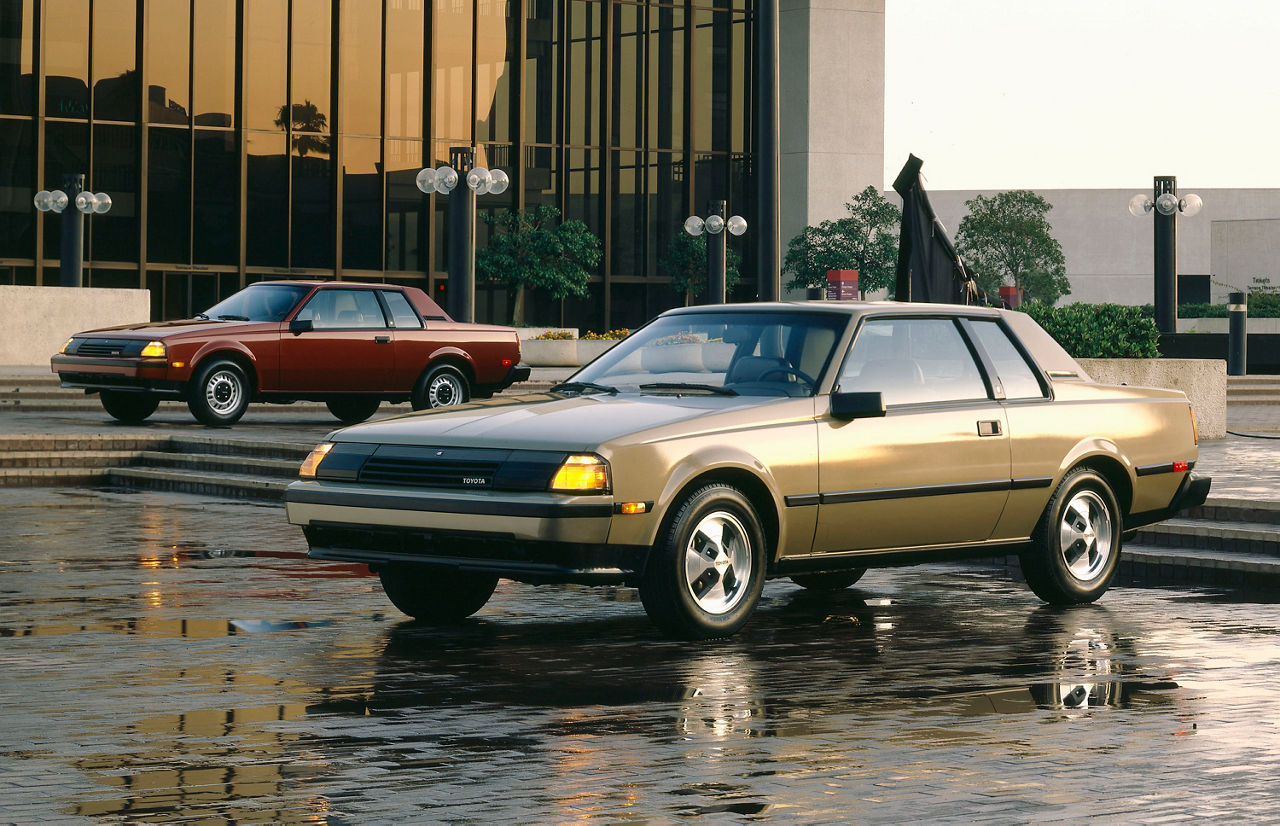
(36, 321)
(561, 352)
(1203, 380)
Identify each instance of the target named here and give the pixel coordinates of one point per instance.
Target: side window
(344, 310)
(912, 361)
(1016, 375)
(402, 314)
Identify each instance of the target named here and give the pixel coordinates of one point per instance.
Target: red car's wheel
(441, 386)
(220, 393)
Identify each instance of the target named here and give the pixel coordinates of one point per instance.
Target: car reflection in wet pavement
(168, 658)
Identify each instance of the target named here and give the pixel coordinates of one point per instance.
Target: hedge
(1099, 331)
(1261, 305)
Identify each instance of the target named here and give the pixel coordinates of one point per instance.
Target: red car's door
(349, 349)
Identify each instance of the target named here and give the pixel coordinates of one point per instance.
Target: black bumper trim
(522, 560)
(1163, 467)
(428, 502)
(1193, 492)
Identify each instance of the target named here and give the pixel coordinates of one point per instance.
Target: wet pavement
(167, 658)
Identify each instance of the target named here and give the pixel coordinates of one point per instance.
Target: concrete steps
(1253, 390)
(1227, 542)
(212, 466)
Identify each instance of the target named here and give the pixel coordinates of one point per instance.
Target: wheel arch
(737, 476)
(451, 357)
(232, 352)
(1114, 471)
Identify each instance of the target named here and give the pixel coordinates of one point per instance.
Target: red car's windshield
(260, 302)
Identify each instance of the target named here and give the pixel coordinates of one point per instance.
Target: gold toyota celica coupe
(721, 446)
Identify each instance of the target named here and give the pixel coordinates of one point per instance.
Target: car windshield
(261, 302)
(765, 353)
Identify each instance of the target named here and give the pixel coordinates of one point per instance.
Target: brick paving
(172, 659)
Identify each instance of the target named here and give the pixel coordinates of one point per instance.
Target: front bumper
(533, 537)
(129, 374)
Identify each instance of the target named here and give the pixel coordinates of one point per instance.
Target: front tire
(441, 386)
(439, 595)
(353, 409)
(130, 408)
(706, 572)
(219, 395)
(1075, 548)
(830, 581)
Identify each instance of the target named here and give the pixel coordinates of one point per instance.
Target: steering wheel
(789, 371)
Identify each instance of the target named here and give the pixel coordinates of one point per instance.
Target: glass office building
(243, 140)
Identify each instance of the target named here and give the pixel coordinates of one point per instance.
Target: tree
(534, 249)
(1006, 239)
(866, 240)
(305, 117)
(685, 263)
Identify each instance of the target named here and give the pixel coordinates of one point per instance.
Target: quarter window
(1016, 375)
(344, 310)
(402, 315)
(912, 361)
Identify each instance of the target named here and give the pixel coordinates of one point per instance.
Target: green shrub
(1099, 331)
(1261, 305)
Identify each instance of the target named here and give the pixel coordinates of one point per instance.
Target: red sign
(842, 285)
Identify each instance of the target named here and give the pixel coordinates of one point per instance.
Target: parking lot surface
(168, 658)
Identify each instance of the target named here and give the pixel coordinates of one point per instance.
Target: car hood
(547, 421)
(161, 329)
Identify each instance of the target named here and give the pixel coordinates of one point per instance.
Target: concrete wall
(832, 97)
(36, 321)
(1203, 380)
(1109, 252)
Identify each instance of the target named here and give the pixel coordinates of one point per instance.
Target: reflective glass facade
(249, 139)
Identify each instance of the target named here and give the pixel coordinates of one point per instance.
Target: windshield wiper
(583, 386)
(202, 315)
(234, 318)
(681, 386)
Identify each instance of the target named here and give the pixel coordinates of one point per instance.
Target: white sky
(1083, 94)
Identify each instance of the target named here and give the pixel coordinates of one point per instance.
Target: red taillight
(1181, 467)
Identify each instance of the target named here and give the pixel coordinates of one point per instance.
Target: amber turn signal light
(313, 460)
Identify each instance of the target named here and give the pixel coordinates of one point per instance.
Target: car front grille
(449, 468)
(101, 347)
(421, 472)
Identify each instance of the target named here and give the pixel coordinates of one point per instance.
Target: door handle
(990, 427)
(382, 339)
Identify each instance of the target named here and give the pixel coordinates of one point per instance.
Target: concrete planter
(37, 321)
(591, 350)
(549, 352)
(1203, 380)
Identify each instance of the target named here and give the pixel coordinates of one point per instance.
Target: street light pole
(717, 248)
(72, 264)
(717, 251)
(462, 241)
(462, 221)
(1167, 205)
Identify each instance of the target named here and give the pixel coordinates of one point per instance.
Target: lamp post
(462, 221)
(1166, 205)
(717, 249)
(71, 269)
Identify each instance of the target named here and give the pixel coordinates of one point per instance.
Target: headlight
(582, 474)
(63, 351)
(154, 350)
(313, 460)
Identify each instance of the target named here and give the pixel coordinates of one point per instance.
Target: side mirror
(849, 406)
(301, 325)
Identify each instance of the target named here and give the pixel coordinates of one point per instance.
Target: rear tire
(441, 386)
(219, 395)
(705, 575)
(352, 409)
(440, 595)
(830, 581)
(1075, 548)
(130, 408)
